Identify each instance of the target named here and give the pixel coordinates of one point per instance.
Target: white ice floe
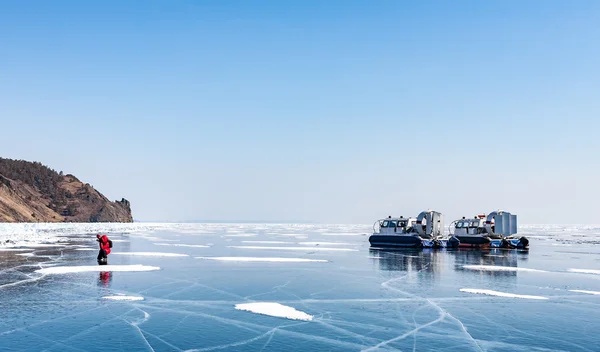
(153, 238)
(4, 249)
(152, 254)
(501, 268)
(301, 243)
(325, 243)
(95, 268)
(85, 249)
(124, 298)
(588, 292)
(264, 259)
(73, 239)
(342, 234)
(242, 235)
(158, 239)
(27, 254)
(297, 248)
(500, 294)
(22, 234)
(584, 271)
(182, 245)
(42, 245)
(274, 310)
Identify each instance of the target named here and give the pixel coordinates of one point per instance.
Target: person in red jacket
(105, 246)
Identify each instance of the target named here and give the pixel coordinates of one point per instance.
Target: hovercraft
(496, 230)
(424, 231)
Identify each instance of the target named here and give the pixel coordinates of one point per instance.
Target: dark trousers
(102, 254)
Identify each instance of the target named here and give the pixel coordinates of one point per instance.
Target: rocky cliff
(32, 192)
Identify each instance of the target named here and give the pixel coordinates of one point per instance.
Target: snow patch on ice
(501, 268)
(264, 259)
(588, 292)
(28, 234)
(42, 245)
(297, 248)
(153, 254)
(124, 298)
(325, 243)
(274, 310)
(154, 238)
(95, 268)
(85, 249)
(500, 294)
(342, 234)
(301, 243)
(585, 271)
(181, 245)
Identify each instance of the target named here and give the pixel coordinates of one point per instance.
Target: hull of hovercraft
(396, 241)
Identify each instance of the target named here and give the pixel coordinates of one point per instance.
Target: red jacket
(104, 244)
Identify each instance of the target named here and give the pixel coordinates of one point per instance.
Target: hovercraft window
(388, 223)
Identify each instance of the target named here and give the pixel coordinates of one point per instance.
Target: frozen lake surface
(272, 287)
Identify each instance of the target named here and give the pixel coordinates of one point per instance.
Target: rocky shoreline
(32, 192)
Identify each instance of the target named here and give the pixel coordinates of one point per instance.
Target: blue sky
(339, 111)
